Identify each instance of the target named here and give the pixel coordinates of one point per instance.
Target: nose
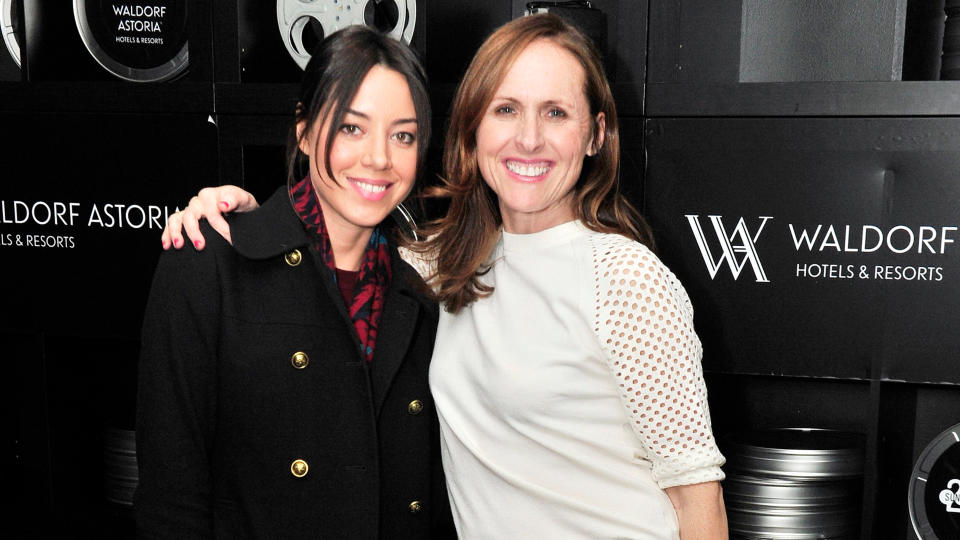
(529, 134)
(377, 154)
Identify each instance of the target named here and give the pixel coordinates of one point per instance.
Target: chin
(370, 221)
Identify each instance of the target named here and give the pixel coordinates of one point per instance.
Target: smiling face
(373, 157)
(534, 136)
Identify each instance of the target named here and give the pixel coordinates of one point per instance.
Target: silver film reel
(304, 23)
(9, 32)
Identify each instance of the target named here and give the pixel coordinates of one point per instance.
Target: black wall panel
(81, 211)
(781, 313)
(875, 280)
(694, 40)
(787, 41)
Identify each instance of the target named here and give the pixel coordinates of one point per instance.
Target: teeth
(370, 187)
(527, 170)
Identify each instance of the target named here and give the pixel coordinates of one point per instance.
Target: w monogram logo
(736, 248)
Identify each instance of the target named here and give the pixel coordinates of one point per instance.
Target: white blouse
(571, 397)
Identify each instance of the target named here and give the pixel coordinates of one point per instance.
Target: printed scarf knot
(368, 294)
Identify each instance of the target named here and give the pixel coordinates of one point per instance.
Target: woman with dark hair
(566, 372)
(283, 381)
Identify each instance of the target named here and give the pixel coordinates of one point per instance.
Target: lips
(369, 189)
(528, 170)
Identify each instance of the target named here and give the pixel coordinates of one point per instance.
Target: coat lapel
(401, 311)
(272, 231)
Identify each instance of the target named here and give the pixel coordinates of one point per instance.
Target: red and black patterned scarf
(368, 293)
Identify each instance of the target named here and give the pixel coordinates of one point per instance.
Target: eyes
(404, 138)
(556, 112)
(351, 129)
(552, 111)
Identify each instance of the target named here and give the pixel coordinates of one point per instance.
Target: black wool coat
(257, 416)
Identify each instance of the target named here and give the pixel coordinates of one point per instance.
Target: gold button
(299, 468)
(415, 407)
(293, 258)
(299, 360)
(415, 507)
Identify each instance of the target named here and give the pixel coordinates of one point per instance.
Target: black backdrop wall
(798, 184)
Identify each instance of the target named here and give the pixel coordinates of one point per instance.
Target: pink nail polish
(196, 244)
(224, 205)
(176, 242)
(164, 242)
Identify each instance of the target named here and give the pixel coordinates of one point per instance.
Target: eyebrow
(395, 122)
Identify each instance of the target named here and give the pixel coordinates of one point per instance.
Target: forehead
(383, 91)
(545, 71)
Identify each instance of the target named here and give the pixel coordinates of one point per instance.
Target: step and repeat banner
(814, 247)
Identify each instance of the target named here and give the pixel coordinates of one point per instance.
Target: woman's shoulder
(622, 264)
(614, 249)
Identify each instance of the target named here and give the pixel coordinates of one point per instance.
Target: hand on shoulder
(210, 204)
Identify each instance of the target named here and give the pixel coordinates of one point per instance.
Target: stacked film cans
(120, 471)
(793, 483)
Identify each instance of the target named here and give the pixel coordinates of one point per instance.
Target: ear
(303, 142)
(597, 142)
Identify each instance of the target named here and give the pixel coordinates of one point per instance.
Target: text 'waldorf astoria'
(139, 18)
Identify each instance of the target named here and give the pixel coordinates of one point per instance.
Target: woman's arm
(700, 511)
(210, 203)
(645, 326)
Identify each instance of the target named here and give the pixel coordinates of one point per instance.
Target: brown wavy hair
(463, 240)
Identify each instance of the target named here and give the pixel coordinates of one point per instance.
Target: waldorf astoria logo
(138, 42)
(842, 251)
(737, 247)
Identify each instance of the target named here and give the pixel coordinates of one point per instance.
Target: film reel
(304, 23)
(8, 25)
(934, 494)
(135, 42)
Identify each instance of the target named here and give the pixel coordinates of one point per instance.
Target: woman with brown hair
(566, 371)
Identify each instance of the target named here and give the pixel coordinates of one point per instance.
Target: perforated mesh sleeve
(424, 265)
(644, 321)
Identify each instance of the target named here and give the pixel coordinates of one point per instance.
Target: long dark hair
(332, 78)
(462, 240)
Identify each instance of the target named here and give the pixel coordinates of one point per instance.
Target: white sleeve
(644, 322)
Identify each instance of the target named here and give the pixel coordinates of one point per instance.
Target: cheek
(574, 142)
(490, 138)
(486, 167)
(487, 151)
(405, 165)
(342, 156)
